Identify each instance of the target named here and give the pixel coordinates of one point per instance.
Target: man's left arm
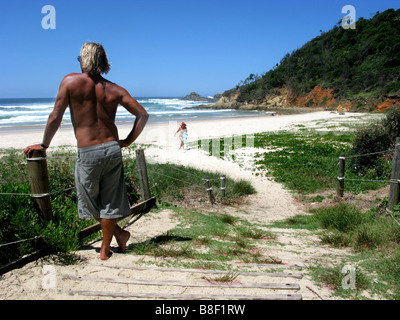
(54, 120)
(135, 108)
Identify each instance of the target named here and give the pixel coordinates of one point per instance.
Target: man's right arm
(55, 117)
(135, 108)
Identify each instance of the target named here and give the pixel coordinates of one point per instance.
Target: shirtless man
(93, 102)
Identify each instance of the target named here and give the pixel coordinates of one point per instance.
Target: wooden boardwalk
(132, 282)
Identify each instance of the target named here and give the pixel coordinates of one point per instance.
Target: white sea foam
(24, 112)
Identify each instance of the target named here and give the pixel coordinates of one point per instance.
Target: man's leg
(108, 226)
(110, 229)
(122, 236)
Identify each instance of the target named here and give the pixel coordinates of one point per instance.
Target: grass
(375, 240)
(337, 279)
(230, 277)
(347, 225)
(306, 162)
(174, 183)
(208, 236)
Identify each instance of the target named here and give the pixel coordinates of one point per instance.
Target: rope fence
(394, 181)
(18, 241)
(152, 171)
(198, 185)
(369, 154)
(205, 185)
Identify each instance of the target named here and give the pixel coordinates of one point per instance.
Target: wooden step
(167, 296)
(205, 271)
(202, 284)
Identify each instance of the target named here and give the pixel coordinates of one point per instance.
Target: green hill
(352, 68)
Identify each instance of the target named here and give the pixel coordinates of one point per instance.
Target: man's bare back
(93, 103)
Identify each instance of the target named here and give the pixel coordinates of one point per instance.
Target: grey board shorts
(99, 182)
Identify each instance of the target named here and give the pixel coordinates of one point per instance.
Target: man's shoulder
(74, 75)
(115, 87)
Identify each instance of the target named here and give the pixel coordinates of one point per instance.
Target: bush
(18, 221)
(348, 226)
(392, 124)
(342, 217)
(243, 187)
(376, 137)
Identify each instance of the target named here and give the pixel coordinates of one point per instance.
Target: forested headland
(350, 69)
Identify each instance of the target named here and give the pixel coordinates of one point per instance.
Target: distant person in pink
(183, 134)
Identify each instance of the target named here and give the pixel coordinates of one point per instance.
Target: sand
(43, 279)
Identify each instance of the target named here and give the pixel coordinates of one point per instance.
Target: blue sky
(161, 47)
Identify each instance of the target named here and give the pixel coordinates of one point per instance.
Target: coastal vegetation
(358, 68)
(170, 184)
(305, 161)
(363, 226)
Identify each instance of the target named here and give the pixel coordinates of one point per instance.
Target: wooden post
(209, 190)
(340, 178)
(395, 178)
(39, 181)
(222, 186)
(143, 178)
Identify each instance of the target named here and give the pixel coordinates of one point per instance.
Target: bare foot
(122, 239)
(105, 256)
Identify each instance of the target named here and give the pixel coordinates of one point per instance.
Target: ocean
(31, 113)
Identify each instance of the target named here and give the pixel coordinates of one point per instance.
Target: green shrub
(18, 221)
(243, 187)
(376, 137)
(342, 217)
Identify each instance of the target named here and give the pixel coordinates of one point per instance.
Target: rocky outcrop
(317, 98)
(231, 102)
(193, 96)
(227, 102)
(389, 102)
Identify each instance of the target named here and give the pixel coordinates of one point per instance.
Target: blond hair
(94, 58)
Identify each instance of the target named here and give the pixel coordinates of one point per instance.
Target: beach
(297, 249)
(162, 134)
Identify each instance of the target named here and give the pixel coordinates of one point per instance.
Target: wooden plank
(20, 262)
(272, 265)
(249, 264)
(244, 273)
(137, 209)
(204, 284)
(137, 295)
